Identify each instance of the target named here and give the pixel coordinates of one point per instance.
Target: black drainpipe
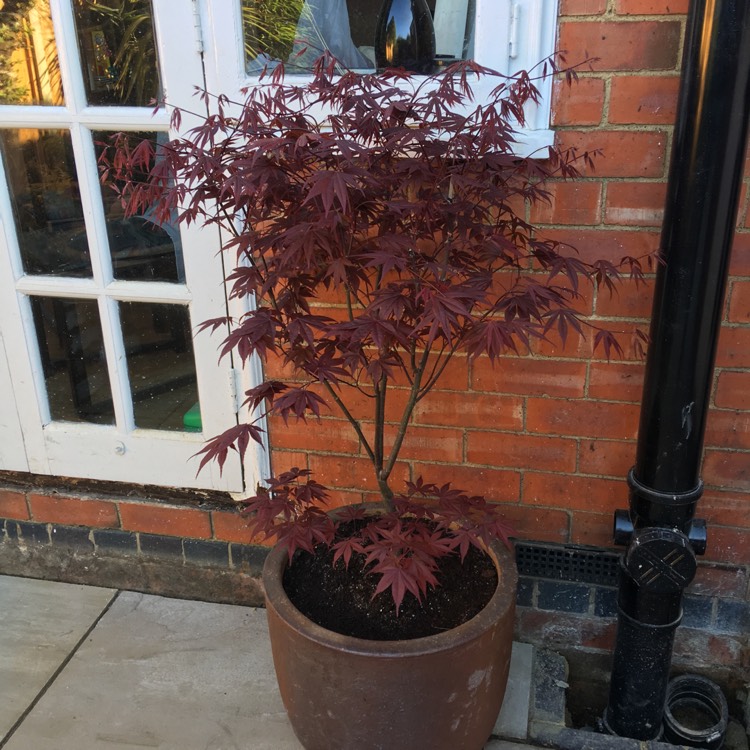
(661, 531)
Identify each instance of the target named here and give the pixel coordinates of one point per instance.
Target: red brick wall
(552, 435)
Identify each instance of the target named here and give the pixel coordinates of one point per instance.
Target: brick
(605, 601)
(612, 458)
(72, 536)
(230, 526)
(13, 505)
(157, 545)
(562, 596)
(650, 7)
(113, 540)
(606, 244)
(73, 511)
(616, 381)
(724, 508)
(574, 492)
(30, 532)
(537, 523)
(582, 418)
(248, 558)
(696, 611)
(161, 519)
(352, 472)
(599, 635)
(724, 582)
(335, 435)
(629, 300)
(728, 429)
(739, 264)
(206, 552)
(595, 529)
(624, 45)
(582, 7)
(525, 592)
(581, 103)
(639, 204)
(733, 616)
(643, 100)
(501, 449)
(577, 202)
(728, 545)
(733, 390)
(739, 302)
(430, 444)
(468, 410)
(496, 485)
(727, 469)
(624, 153)
(529, 375)
(734, 347)
(698, 648)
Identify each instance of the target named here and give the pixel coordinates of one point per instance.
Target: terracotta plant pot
(442, 692)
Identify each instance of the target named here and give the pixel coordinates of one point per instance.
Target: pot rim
(502, 599)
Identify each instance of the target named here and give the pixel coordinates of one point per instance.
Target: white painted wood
(12, 448)
(120, 452)
(535, 34)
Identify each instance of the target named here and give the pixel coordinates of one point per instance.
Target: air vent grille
(568, 563)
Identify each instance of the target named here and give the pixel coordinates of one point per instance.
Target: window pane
(159, 349)
(46, 203)
(298, 31)
(140, 250)
(118, 51)
(29, 68)
(69, 333)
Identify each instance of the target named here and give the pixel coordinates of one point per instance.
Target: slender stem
(380, 391)
(355, 424)
(406, 416)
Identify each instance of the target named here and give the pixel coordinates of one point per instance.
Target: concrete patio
(83, 668)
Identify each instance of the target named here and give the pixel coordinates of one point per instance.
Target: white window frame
(122, 452)
(510, 35)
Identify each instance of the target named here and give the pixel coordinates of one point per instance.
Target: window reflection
(71, 347)
(140, 250)
(29, 68)
(118, 51)
(46, 201)
(297, 32)
(159, 349)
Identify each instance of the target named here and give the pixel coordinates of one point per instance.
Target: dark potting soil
(341, 599)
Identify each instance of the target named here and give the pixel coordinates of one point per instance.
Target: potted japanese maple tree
(401, 201)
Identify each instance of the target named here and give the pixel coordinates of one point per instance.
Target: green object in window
(192, 419)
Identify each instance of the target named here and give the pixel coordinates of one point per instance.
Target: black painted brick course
(249, 557)
(525, 592)
(696, 611)
(562, 596)
(732, 616)
(72, 537)
(31, 532)
(112, 540)
(206, 552)
(605, 602)
(161, 546)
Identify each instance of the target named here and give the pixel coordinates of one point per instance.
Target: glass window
(140, 250)
(297, 32)
(161, 368)
(46, 201)
(29, 68)
(71, 347)
(118, 52)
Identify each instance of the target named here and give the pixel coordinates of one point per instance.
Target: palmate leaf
(236, 438)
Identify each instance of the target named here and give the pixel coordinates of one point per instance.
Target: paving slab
(513, 721)
(168, 674)
(41, 622)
